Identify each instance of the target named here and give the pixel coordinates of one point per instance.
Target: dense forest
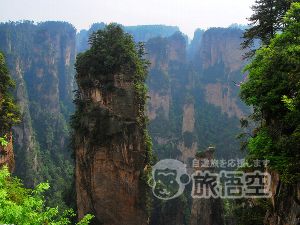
(200, 94)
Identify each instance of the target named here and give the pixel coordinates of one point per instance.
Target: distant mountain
(140, 33)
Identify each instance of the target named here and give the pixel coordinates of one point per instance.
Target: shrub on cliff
(9, 111)
(23, 206)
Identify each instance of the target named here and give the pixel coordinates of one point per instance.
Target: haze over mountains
(193, 101)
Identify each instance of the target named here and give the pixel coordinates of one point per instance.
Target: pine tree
(266, 20)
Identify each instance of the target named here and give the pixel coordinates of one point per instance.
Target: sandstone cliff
(221, 45)
(195, 44)
(169, 81)
(175, 86)
(24, 146)
(110, 142)
(220, 61)
(285, 201)
(7, 157)
(169, 77)
(6, 111)
(158, 81)
(108, 176)
(183, 109)
(222, 95)
(41, 58)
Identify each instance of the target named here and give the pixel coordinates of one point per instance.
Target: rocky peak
(177, 47)
(222, 45)
(112, 151)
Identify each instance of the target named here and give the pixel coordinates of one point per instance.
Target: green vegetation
(158, 47)
(112, 51)
(272, 89)
(211, 128)
(159, 81)
(252, 212)
(9, 111)
(267, 19)
(199, 154)
(40, 143)
(23, 206)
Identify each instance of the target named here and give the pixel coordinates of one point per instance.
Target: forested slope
(41, 58)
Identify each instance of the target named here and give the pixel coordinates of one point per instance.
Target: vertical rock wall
(6, 149)
(285, 201)
(220, 60)
(111, 147)
(7, 157)
(41, 59)
(108, 168)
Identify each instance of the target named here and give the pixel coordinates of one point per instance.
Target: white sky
(188, 15)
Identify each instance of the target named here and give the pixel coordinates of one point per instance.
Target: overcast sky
(188, 15)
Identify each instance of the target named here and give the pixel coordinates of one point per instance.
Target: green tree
(266, 20)
(9, 111)
(272, 89)
(23, 206)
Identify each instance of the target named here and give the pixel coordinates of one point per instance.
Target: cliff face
(168, 61)
(46, 85)
(177, 47)
(23, 134)
(164, 54)
(40, 59)
(221, 63)
(195, 44)
(110, 138)
(285, 200)
(7, 157)
(221, 45)
(206, 211)
(175, 89)
(6, 110)
(145, 32)
(222, 95)
(182, 118)
(159, 84)
(108, 176)
(158, 100)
